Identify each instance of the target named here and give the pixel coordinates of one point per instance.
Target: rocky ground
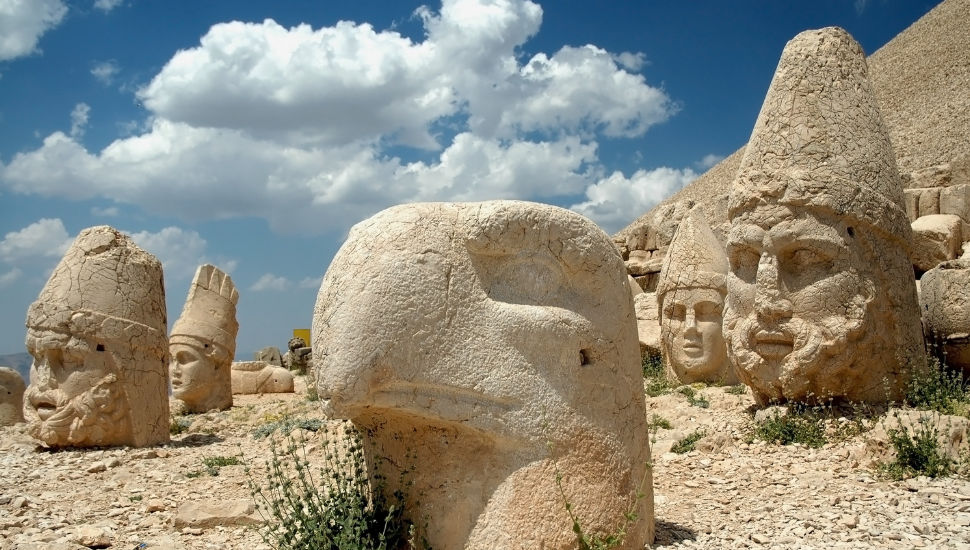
(725, 494)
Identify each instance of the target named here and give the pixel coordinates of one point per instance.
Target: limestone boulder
(486, 345)
(648, 324)
(821, 298)
(945, 304)
(12, 388)
(203, 514)
(252, 377)
(956, 201)
(643, 262)
(936, 239)
(949, 431)
(98, 336)
(270, 355)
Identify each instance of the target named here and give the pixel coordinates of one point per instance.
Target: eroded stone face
(472, 334)
(99, 347)
(690, 296)
(821, 297)
(203, 342)
(12, 388)
(252, 377)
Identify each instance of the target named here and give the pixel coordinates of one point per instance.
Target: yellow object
(302, 333)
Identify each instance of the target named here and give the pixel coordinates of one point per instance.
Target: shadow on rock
(669, 533)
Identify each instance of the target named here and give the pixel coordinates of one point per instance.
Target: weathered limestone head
(473, 333)
(203, 342)
(946, 314)
(252, 377)
(821, 297)
(690, 298)
(12, 388)
(97, 333)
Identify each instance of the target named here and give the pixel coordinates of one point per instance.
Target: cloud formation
(105, 71)
(617, 200)
(23, 22)
(46, 238)
(270, 282)
(181, 252)
(107, 5)
(292, 125)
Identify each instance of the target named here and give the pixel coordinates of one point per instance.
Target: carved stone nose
(770, 301)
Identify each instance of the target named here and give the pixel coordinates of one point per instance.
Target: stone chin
(96, 417)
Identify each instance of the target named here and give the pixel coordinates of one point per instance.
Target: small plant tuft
(937, 388)
(800, 425)
(179, 426)
(917, 455)
(739, 389)
(692, 398)
(286, 425)
(340, 509)
(688, 443)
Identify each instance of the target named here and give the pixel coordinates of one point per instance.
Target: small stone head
(690, 298)
(97, 336)
(203, 342)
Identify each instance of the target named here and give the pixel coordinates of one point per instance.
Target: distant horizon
(252, 135)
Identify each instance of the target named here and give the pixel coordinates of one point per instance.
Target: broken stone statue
(270, 355)
(12, 388)
(203, 342)
(297, 356)
(464, 337)
(690, 298)
(250, 377)
(946, 313)
(97, 334)
(821, 296)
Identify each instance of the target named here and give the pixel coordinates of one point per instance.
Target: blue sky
(254, 134)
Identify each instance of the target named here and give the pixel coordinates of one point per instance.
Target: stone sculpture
(690, 299)
(12, 388)
(250, 377)
(821, 297)
(946, 314)
(270, 355)
(462, 338)
(648, 325)
(97, 334)
(203, 342)
(297, 356)
(936, 239)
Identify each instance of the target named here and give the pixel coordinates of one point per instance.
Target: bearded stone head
(821, 297)
(97, 336)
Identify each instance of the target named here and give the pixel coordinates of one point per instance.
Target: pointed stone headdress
(820, 141)
(209, 313)
(695, 258)
(105, 286)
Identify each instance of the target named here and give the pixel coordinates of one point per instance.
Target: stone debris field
(739, 496)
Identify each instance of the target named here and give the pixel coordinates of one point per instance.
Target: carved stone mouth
(45, 409)
(773, 344)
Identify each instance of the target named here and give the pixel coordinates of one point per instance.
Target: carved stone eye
(528, 280)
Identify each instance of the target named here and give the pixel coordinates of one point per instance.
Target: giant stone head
(473, 334)
(821, 296)
(97, 334)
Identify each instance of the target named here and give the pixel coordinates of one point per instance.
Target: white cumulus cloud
(293, 125)
(23, 22)
(46, 238)
(311, 282)
(79, 119)
(110, 212)
(107, 5)
(10, 277)
(271, 282)
(105, 71)
(180, 251)
(617, 200)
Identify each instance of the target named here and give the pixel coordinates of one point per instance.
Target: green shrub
(800, 425)
(653, 365)
(692, 397)
(917, 455)
(688, 443)
(740, 389)
(657, 381)
(657, 422)
(179, 426)
(287, 425)
(340, 510)
(936, 388)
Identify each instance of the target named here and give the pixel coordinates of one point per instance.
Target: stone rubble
(726, 495)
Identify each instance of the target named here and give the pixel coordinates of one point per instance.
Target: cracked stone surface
(98, 336)
(455, 330)
(821, 296)
(203, 342)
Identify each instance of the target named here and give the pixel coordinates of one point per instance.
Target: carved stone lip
(772, 344)
(45, 405)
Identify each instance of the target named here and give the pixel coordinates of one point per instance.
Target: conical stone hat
(105, 286)
(695, 258)
(820, 141)
(209, 313)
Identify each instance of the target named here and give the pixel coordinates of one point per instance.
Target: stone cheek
(12, 388)
(202, 381)
(473, 334)
(691, 336)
